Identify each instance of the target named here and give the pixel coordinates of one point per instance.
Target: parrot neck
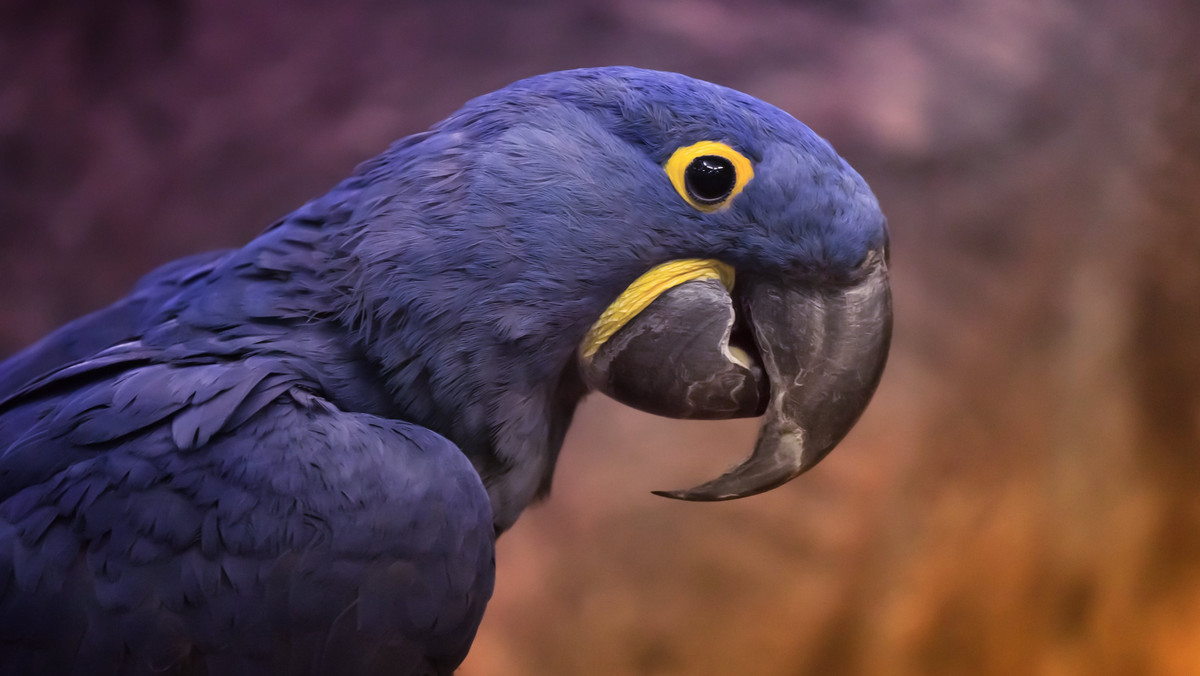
(406, 327)
(501, 406)
(460, 348)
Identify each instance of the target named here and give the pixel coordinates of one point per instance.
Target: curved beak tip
(823, 350)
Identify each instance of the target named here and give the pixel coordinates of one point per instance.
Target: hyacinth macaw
(295, 457)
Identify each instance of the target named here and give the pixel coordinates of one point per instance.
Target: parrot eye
(708, 175)
(709, 179)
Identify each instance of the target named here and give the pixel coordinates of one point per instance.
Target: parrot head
(680, 246)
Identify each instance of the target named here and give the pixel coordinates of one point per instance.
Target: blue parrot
(294, 457)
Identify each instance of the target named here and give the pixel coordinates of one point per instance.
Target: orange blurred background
(1022, 495)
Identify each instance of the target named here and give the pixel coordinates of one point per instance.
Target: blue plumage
(297, 453)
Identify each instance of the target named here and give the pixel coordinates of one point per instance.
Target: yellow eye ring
(704, 167)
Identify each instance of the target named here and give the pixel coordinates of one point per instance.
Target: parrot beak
(674, 358)
(810, 354)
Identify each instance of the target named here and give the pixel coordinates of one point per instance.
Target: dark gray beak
(675, 359)
(812, 356)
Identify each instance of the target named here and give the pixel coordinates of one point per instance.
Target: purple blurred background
(1021, 497)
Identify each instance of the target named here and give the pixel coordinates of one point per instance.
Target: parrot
(296, 456)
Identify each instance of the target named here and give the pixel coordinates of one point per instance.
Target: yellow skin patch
(645, 289)
(678, 164)
(658, 279)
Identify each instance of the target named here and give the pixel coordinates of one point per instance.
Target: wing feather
(220, 515)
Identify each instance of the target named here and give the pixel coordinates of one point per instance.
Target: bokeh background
(1021, 497)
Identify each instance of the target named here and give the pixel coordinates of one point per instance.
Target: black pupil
(710, 178)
